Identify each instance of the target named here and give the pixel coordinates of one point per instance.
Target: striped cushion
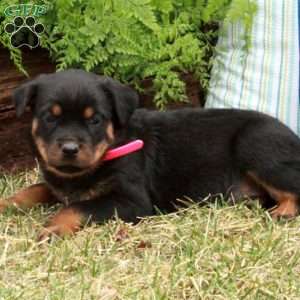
(266, 78)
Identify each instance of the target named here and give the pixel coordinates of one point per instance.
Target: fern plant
(135, 39)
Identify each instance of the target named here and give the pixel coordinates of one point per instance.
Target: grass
(216, 252)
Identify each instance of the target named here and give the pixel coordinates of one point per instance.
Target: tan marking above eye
(88, 112)
(56, 110)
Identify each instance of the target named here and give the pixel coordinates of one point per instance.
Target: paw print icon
(24, 32)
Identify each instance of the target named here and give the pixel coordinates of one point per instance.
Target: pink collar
(123, 150)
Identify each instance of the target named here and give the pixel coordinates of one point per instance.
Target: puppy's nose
(70, 148)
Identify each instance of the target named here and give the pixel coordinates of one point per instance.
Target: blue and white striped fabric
(266, 78)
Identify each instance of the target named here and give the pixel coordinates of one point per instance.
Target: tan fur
(41, 146)
(90, 158)
(66, 175)
(287, 202)
(110, 132)
(88, 112)
(65, 222)
(99, 151)
(92, 162)
(29, 197)
(56, 110)
(35, 124)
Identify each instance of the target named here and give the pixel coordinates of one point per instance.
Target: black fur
(187, 152)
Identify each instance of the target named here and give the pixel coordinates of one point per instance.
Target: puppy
(80, 118)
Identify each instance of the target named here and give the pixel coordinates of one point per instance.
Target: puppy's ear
(23, 96)
(124, 99)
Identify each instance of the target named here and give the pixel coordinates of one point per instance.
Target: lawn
(213, 252)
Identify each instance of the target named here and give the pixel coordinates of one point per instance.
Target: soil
(15, 150)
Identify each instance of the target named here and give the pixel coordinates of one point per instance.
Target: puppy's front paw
(54, 231)
(287, 209)
(279, 213)
(65, 222)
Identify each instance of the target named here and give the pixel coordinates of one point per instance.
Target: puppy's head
(75, 116)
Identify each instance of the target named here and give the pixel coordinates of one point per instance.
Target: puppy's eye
(94, 120)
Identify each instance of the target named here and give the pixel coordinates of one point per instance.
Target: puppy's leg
(70, 219)
(67, 221)
(29, 197)
(287, 201)
(269, 153)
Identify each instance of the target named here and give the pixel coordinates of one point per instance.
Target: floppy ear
(124, 99)
(23, 96)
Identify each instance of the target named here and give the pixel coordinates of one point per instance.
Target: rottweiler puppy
(79, 117)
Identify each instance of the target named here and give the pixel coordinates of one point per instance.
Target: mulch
(15, 150)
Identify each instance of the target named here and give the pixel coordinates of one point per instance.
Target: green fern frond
(135, 39)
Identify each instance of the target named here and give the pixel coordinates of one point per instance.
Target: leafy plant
(136, 39)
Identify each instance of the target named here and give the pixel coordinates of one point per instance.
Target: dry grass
(200, 253)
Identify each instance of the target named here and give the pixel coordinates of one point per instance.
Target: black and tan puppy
(79, 116)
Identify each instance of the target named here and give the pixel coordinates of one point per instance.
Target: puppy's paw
(65, 222)
(51, 232)
(284, 212)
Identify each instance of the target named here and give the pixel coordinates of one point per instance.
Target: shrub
(135, 39)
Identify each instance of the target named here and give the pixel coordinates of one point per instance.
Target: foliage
(135, 39)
